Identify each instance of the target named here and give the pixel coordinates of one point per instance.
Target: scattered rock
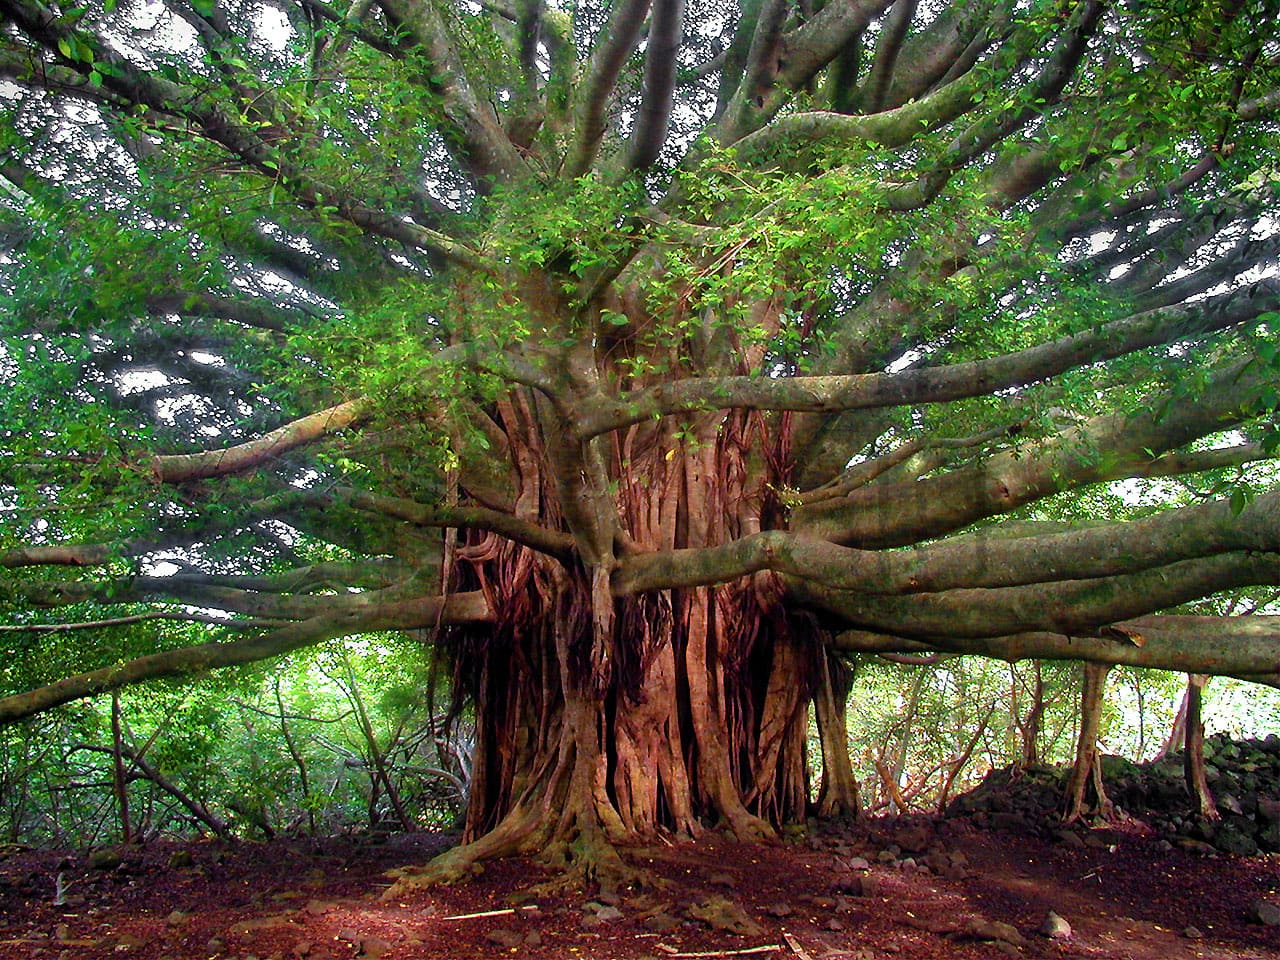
(1055, 928)
(779, 910)
(1268, 914)
(245, 927)
(914, 835)
(104, 858)
(662, 922)
(601, 912)
(982, 929)
(720, 913)
(1245, 776)
(1193, 933)
(1069, 839)
(854, 886)
(859, 863)
(505, 938)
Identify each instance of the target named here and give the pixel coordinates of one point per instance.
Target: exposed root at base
(580, 864)
(509, 838)
(576, 864)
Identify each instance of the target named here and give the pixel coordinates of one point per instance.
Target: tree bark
(1029, 726)
(838, 793)
(1087, 770)
(120, 782)
(1193, 749)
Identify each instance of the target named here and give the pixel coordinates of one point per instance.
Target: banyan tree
(643, 360)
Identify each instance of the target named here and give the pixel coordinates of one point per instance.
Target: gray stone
(1268, 914)
(1055, 927)
(661, 922)
(104, 859)
(720, 913)
(982, 929)
(1230, 838)
(373, 947)
(504, 937)
(1069, 839)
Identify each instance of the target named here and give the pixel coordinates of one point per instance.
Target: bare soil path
(910, 888)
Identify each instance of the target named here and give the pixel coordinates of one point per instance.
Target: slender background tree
(639, 357)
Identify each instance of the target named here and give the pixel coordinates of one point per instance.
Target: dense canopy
(644, 359)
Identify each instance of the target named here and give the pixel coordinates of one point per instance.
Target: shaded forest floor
(906, 888)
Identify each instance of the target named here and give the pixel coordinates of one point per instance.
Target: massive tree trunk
(690, 708)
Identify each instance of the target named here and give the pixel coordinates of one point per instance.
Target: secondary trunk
(1087, 771)
(1193, 754)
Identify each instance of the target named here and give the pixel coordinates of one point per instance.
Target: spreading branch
(193, 661)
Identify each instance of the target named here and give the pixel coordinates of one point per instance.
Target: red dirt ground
(1125, 896)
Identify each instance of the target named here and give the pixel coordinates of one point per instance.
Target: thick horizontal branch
(1075, 607)
(176, 616)
(892, 128)
(971, 561)
(61, 555)
(830, 394)
(192, 303)
(924, 455)
(371, 574)
(192, 661)
(184, 467)
(552, 542)
(1110, 447)
(1197, 461)
(1218, 646)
